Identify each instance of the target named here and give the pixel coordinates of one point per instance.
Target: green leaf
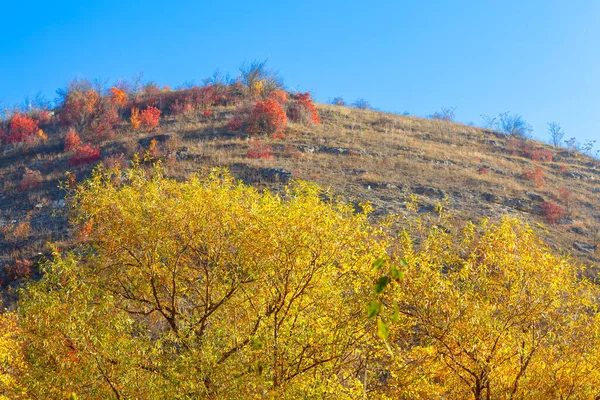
(379, 263)
(382, 329)
(403, 262)
(373, 309)
(381, 283)
(396, 273)
(396, 314)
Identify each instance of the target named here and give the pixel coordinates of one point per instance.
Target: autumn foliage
(212, 289)
(85, 154)
(31, 178)
(150, 118)
(303, 109)
(552, 212)
(118, 96)
(536, 174)
(21, 128)
(72, 140)
(259, 150)
(267, 117)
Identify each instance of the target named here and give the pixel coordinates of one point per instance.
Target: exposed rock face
(429, 191)
(585, 248)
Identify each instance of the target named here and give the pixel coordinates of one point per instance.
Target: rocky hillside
(361, 154)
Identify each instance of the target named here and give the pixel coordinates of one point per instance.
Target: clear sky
(538, 58)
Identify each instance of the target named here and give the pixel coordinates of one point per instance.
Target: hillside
(361, 154)
(203, 262)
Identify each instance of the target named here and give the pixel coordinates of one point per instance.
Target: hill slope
(361, 154)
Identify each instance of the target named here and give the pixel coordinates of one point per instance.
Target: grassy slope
(363, 155)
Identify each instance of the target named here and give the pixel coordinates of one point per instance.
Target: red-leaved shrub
(21, 269)
(79, 107)
(279, 95)
(259, 150)
(21, 129)
(552, 212)
(267, 117)
(31, 178)
(150, 118)
(72, 140)
(541, 155)
(303, 110)
(235, 124)
(85, 154)
(536, 175)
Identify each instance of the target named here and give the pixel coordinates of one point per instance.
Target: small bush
(445, 114)
(72, 140)
(303, 110)
(362, 104)
(85, 154)
(80, 105)
(552, 212)
(267, 117)
(280, 96)
(115, 161)
(118, 96)
(541, 155)
(21, 128)
(20, 269)
(259, 150)
(536, 175)
(31, 179)
(150, 118)
(135, 119)
(235, 124)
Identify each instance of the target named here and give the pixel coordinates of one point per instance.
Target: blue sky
(536, 58)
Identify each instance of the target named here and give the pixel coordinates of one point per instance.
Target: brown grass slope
(361, 154)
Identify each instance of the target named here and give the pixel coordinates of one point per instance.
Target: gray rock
(519, 204)
(491, 198)
(275, 174)
(429, 191)
(579, 231)
(585, 248)
(535, 197)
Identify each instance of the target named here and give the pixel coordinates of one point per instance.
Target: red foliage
(541, 155)
(280, 95)
(206, 113)
(31, 179)
(43, 117)
(72, 140)
(21, 128)
(483, 171)
(21, 269)
(536, 175)
(267, 117)
(179, 108)
(259, 150)
(235, 124)
(85, 154)
(304, 110)
(150, 118)
(106, 120)
(79, 107)
(552, 212)
(118, 96)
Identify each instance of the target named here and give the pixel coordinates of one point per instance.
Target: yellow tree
(13, 366)
(202, 289)
(486, 314)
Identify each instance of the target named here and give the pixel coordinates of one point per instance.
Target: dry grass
(360, 154)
